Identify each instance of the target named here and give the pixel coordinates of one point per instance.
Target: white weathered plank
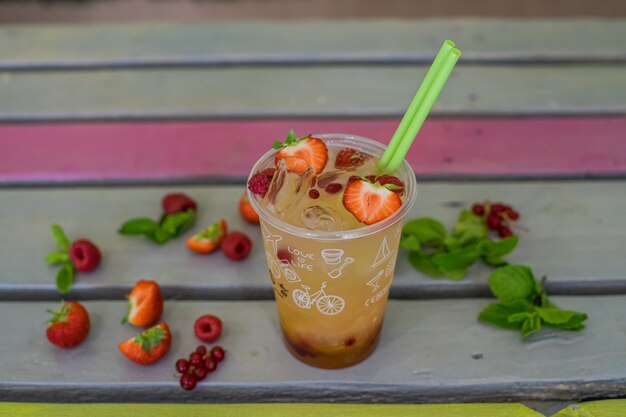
(425, 355)
(319, 91)
(255, 42)
(574, 236)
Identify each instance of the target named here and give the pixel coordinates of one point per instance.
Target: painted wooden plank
(256, 42)
(351, 91)
(176, 152)
(268, 410)
(573, 237)
(605, 408)
(426, 354)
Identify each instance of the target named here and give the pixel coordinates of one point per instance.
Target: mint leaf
(159, 236)
(492, 251)
(498, 314)
(291, 137)
(392, 187)
(140, 226)
(277, 145)
(424, 263)
(60, 238)
(56, 257)
(65, 277)
(562, 319)
(513, 282)
(411, 243)
(454, 264)
(531, 325)
(177, 223)
(429, 232)
(468, 229)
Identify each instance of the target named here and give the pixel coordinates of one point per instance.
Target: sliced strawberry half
(303, 153)
(370, 203)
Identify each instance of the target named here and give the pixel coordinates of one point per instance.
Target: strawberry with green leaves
(209, 239)
(300, 153)
(69, 325)
(148, 346)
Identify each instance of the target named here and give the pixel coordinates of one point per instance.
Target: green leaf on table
(468, 229)
(513, 282)
(498, 314)
(454, 264)
(59, 237)
(530, 325)
(177, 223)
(140, 226)
(65, 277)
(562, 319)
(159, 236)
(492, 252)
(57, 257)
(429, 232)
(410, 242)
(423, 262)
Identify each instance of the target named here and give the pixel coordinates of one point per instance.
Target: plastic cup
(331, 288)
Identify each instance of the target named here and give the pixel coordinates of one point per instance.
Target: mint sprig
(169, 227)
(438, 254)
(290, 139)
(524, 305)
(65, 276)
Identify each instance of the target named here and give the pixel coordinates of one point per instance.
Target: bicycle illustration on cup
(329, 305)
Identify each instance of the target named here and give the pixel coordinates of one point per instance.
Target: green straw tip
(456, 52)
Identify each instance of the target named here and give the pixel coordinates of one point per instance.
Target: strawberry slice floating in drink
(301, 153)
(370, 203)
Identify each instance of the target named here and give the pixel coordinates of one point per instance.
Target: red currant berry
(494, 222)
(352, 179)
(504, 232)
(182, 366)
(207, 328)
(209, 364)
(313, 193)
(512, 214)
(478, 209)
(195, 359)
(200, 373)
(201, 350)
(218, 353)
(188, 382)
(333, 188)
(498, 208)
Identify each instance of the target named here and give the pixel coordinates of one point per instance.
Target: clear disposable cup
(331, 288)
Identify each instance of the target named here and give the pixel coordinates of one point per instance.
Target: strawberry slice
(301, 153)
(370, 203)
(148, 346)
(145, 304)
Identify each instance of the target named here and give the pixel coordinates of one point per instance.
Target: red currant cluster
(198, 366)
(499, 217)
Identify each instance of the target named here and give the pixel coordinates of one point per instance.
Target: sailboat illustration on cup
(383, 254)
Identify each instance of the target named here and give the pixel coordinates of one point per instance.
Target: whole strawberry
(69, 326)
(148, 346)
(145, 304)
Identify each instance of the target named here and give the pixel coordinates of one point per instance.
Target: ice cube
(287, 189)
(321, 218)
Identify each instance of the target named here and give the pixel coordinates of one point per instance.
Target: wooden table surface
(98, 122)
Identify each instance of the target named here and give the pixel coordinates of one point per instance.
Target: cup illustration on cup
(333, 257)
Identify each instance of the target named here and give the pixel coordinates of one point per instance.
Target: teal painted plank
(425, 354)
(572, 237)
(311, 41)
(304, 92)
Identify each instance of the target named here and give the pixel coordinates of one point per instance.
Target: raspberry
(494, 222)
(349, 158)
(390, 179)
(333, 188)
(478, 209)
(85, 255)
(259, 184)
(177, 202)
(236, 246)
(269, 173)
(505, 232)
(207, 328)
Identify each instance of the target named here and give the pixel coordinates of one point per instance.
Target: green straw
(419, 108)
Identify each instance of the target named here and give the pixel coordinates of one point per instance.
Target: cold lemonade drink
(331, 226)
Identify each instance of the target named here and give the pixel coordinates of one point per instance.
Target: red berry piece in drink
(478, 209)
(182, 366)
(218, 353)
(236, 246)
(349, 158)
(333, 188)
(177, 202)
(85, 255)
(209, 364)
(188, 382)
(208, 328)
(494, 221)
(200, 373)
(283, 255)
(259, 183)
(505, 232)
(314, 194)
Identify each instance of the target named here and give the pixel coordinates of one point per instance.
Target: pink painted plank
(160, 151)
